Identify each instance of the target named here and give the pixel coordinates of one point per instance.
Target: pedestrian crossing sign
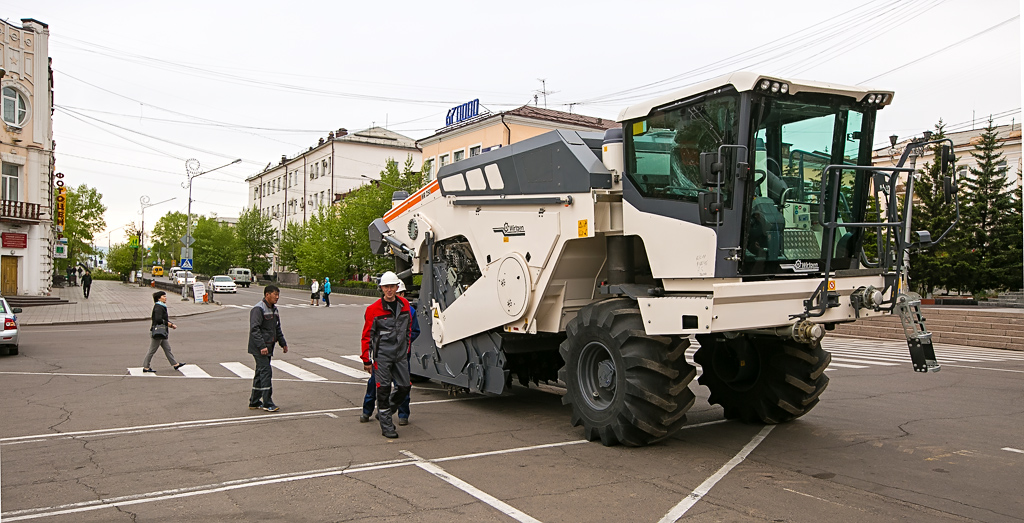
(186, 264)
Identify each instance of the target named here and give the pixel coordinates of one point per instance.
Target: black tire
(759, 379)
(12, 350)
(623, 385)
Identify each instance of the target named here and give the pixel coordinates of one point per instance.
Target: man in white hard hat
(386, 342)
(370, 398)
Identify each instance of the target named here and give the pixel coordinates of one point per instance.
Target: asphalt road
(83, 439)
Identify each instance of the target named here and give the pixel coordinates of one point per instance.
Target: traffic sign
(133, 242)
(187, 240)
(186, 264)
(186, 252)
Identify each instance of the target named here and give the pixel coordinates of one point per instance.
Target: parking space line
(689, 501)
(494, 502)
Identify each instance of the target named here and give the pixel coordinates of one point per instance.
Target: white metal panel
(676, 249)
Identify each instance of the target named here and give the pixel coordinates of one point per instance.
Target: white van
(241, 276)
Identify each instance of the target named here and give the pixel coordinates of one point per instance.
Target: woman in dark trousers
(160, 318)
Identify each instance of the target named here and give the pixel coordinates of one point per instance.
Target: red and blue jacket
(386, 336)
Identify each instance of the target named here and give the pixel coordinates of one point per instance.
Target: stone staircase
(977, 327)
(34, 301)
(1013, 299)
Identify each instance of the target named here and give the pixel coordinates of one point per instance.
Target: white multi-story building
(26, 150)
(293, 190)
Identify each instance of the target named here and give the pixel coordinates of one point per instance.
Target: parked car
(241, 276)
(222, 284)
(173, 272)
(9, 338)
(157, 270)
(184, 278)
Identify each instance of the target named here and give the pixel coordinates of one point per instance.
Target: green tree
(941, 265)
(166, 245)
(83, 219)
(214, 247)
(254, 240)
(324, 251)
(288, 245)
(119, 259)
(990, 212)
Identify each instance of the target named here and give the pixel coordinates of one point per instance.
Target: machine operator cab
(746, 155)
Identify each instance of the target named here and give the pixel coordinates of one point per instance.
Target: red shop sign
(16, 240)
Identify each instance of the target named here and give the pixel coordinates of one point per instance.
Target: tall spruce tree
(936, 266)
(989, 214)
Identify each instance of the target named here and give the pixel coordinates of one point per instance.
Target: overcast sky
(140, 87)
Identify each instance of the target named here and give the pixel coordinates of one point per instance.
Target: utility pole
(192, 170)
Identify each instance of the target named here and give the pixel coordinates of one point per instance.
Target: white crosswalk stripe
(241, 370)
(137, 371)
(193, 371)
(338, 367)
(296, 371)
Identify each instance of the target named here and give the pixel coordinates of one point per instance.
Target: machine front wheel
(624, 386)
(762, 379)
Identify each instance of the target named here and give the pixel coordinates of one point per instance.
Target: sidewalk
(108, 301)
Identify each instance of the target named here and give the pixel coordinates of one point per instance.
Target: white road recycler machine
(733, 210)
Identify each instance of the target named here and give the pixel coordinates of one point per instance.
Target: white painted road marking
(137, 371)
(1010, 449)
(344, 369)
(494, 502)
(193, 371)
(239, 369)
(354, 358)
(298, 372)
(698, 493)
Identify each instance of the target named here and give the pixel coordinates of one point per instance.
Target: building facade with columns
(26, 151)
(293, 190)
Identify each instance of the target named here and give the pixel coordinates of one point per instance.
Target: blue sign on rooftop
(463, 112)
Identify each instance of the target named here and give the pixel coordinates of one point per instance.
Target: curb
(117, 320)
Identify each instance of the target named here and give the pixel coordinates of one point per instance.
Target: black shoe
(403, 421)
(363, 418)
(390, 434)
(144, 369)
(180, 365)
(271, 408)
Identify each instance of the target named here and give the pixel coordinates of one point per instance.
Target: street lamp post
(192, 169)
(108, 242)
(144, 202)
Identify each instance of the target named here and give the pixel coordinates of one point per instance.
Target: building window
(458, 155)
(316, 170)
(474, 151)
(255, 194)
(325, 167)
(428, 170)
(310, 174)
(10, 182)
(15, 108)
(444, 160)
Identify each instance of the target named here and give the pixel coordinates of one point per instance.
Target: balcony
(19, 212)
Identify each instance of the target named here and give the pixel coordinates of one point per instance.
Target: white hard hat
(389, 278)
(401, 286)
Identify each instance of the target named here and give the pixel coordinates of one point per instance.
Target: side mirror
(377, 230)
(710, 169)
(947, 159)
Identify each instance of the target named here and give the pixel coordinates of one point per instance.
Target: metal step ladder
(922, 353)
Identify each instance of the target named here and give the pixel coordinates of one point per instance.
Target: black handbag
(159, 332)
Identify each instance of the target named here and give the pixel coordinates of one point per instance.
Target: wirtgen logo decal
(511, 230)
(800, 266)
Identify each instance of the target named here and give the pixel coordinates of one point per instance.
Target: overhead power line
(950, 46)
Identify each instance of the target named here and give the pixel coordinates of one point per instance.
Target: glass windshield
(222, 279)
(664, 149)
(795, 139)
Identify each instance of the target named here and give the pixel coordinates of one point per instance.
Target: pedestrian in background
(327, 292)
(86, 284)
(159, 333)
(370, 399)
(314, 297)
(387, 329)
(264, 333)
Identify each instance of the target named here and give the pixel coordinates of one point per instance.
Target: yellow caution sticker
(583, 229)
(831, 285)
(505, 239)
(435, 314)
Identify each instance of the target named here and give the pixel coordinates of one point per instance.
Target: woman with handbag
(159, 333)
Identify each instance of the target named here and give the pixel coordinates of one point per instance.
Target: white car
(184, 278)
(9, 316)
(222, 284)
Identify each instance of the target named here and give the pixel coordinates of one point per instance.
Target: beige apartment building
(26, 152)
(1009, 137)
(296, 187)
(481, 133)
